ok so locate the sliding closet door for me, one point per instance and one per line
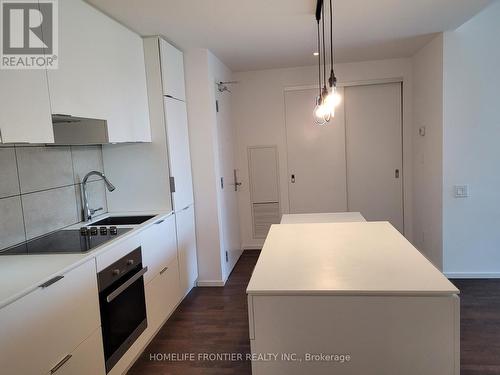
(374, 152)
(316, 156)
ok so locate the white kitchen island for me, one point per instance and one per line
(350, 298)
(329, 217)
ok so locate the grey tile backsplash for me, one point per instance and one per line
(11, 221)
(9, 182)
(40, 189)
(42, 168)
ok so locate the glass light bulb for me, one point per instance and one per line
(319, 114)
(337, 98)
(332, 100)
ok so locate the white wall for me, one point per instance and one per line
(202, 70)
(471, 230)
(259, 114)
(428, 150)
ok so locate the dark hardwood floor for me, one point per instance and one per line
(214, 320)
(480, 326)
(208, 320)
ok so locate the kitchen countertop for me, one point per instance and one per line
(21, 274)
(331, 217)
(358, 258)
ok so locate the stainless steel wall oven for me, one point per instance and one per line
(122, 304)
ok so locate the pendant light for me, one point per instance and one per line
(328, 98)
(333, 99)
(324, 92)
(319, 109)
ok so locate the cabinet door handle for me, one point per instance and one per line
(159, 221)
(51, 281)
(163, 270)
(61, 363)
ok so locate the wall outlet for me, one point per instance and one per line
(461, 191)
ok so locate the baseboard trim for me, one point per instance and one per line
(252, 247)
(218, 283)
(472, 275)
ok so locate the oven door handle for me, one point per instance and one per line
(125, 285)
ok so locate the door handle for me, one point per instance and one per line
(236, 183)
(60, 364)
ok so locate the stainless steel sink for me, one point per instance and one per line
(122, 220)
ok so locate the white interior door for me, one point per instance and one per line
(316, 156)
(228, 195)
(374, 152)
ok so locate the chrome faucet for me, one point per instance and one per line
(88, 212)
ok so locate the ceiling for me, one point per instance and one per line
(262, 34)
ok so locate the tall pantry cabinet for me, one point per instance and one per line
(165, 64)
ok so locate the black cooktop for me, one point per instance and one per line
(67, 241)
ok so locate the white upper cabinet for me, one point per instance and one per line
(101, 73)
(172, 71)
(25, 109)
(178, 149)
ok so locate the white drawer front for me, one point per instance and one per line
(39, 329)
(86, 359)
(162, 295)
(159, 246)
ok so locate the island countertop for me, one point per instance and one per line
(330, 217)
(357, 258)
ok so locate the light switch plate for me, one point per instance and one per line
(461, 191)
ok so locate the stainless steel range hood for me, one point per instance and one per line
(71, 130)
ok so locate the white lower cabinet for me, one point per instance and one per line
(162, 295)
(39, 330)
(186, 244)
(159, 246)
(86, 359)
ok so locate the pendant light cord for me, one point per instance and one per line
(333, 79)
(324, 47)
(331, 35)
(319, 61)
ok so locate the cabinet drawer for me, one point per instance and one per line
(39, 329)
(86, 359)
(159, 246)
(162, 295)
